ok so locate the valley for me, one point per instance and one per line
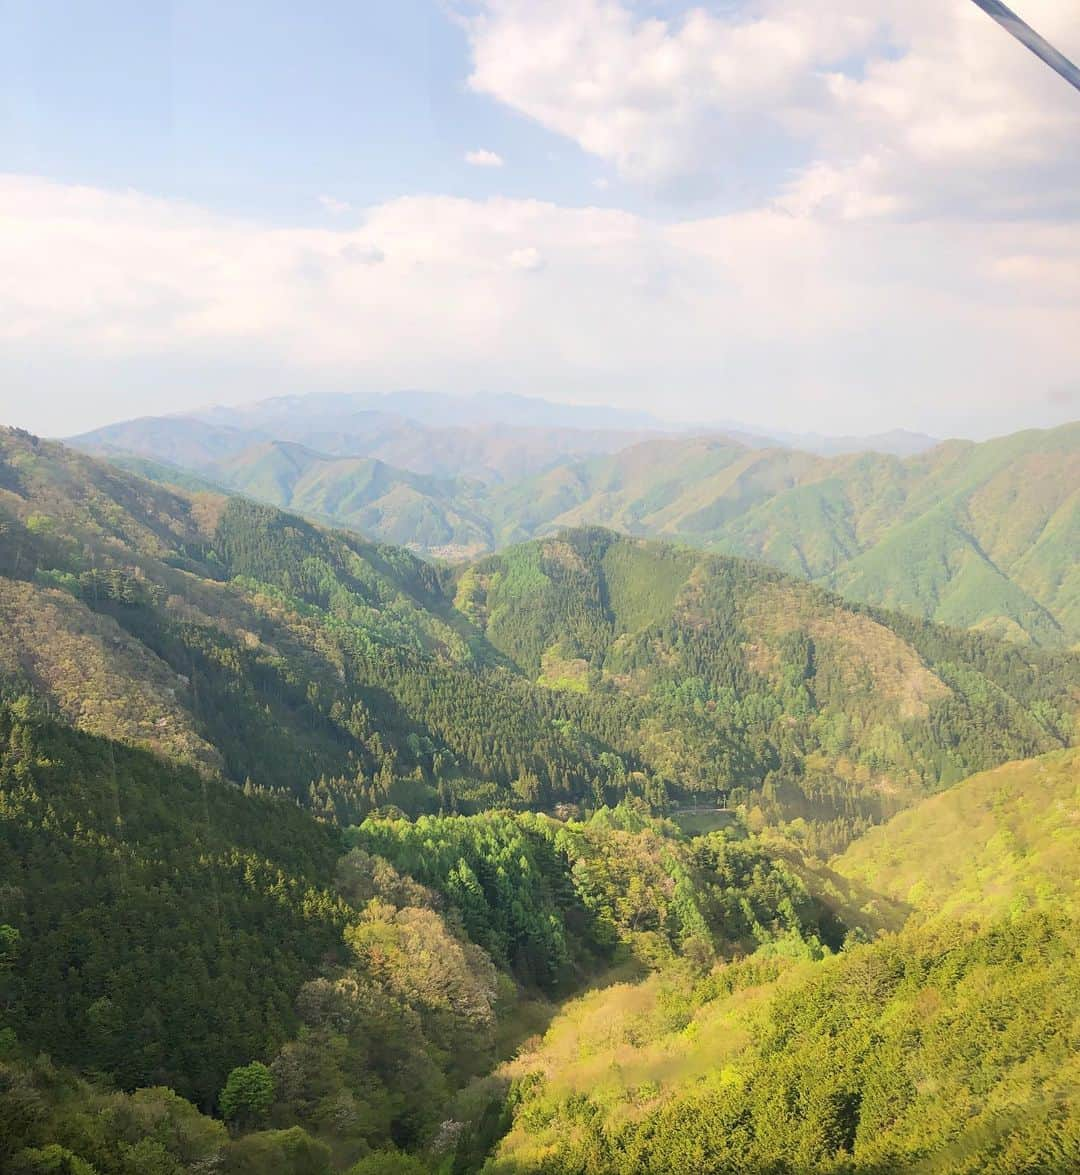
(319, 857)
(972, 535)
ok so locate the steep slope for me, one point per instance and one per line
(251, 643)
(432, 514)
(970, 520)
(999, 842)
(236, 636)
(946, 1047)
(934, 567)
(145, 895)
(973, 535)
(942, 1049)
(750, 683)
(159, 927)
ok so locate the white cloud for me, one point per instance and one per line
(648, 95)
(802, 320)
(902, 105)
(529, 259)
(363, 254)
(334, 206)
(851, 192)
(483, 158)
(962, 118)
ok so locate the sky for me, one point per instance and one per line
(839, 217)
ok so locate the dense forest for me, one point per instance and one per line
(946, 1047)
(317, 858)
(324, 995)
(975, 535)
(242, 988)
(916, 1053)
(295, 660)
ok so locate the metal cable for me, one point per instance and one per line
(1026, 35)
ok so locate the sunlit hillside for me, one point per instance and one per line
(912, 1053)
(999, 843)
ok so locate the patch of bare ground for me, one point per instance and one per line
(856, 646)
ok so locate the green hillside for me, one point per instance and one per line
(426, 513)
(438, 516)
(915, 1053)
(380, 866)
(374, 985)
(305, 661)
(330, 996)
(580, 669)
(1002, 841)
(975, 535)
(933, 567)
(731, 668)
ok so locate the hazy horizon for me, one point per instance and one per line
(673, 424)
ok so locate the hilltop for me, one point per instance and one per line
(974, 535)
(581, 668)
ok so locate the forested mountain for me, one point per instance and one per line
(578, 669)
(981, 536)
(918, 1052)
(331, 997)
(302, 838)
(731, 668)
(426, 513)
(974, 535)
(747, 1028)
(435, 515)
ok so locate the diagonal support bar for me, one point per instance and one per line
(1026, 35)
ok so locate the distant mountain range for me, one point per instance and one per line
(248, 642)
(338, 423)
(433, 410)
(487, 452)
(975, 535)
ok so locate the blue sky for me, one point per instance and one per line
(262, 107)
(840, 218)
